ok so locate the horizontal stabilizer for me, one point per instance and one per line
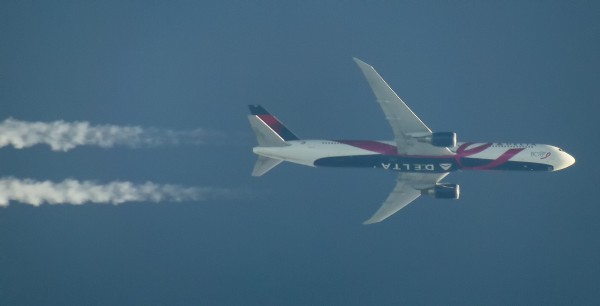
(264, 164)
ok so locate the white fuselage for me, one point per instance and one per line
(383, 154)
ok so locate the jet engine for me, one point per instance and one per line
(443, 139)
(443, 191)
(440, 139)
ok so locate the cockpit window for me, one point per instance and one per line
(560, 149)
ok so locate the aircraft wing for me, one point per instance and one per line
(405, 124)
(408, 188)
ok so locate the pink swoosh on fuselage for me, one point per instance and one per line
(498, 161)
(462, 151)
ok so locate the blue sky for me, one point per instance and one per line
(491, 71)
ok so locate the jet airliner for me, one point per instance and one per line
(421, 158)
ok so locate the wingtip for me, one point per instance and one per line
(362, 64)
(358, 60)
(370, 221)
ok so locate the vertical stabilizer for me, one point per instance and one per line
(272, 123)
(269, 132)
(265, 136)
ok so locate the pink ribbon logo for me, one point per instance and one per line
(462, 152)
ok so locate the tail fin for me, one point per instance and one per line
(263, 118)
(269, 132)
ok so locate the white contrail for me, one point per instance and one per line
(76, 192)
(63, 136)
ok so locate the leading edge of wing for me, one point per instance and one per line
(408, 188)
(403, 120)
(404, 123)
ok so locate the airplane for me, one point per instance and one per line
(421, 158)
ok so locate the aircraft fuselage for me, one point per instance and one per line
(383, 155)
(421, 157)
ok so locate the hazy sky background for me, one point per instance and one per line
(519, 71)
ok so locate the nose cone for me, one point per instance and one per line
(564, 160)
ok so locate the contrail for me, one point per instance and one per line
(63, 136)
(76, 192)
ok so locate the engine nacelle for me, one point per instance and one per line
(443, 139)
(443, 191)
